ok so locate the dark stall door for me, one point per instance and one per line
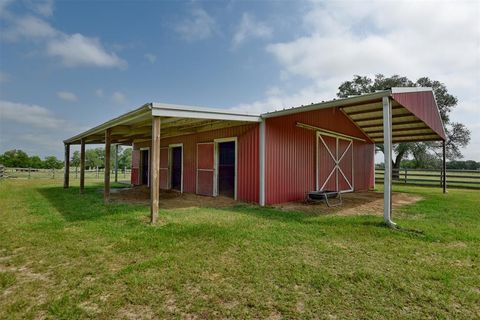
(176, 182)
(226, 169)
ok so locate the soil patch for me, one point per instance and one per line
(170, 199)
(355, 203)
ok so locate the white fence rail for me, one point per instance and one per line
(32, 173)
(430, 177)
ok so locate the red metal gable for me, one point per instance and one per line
(423, 105)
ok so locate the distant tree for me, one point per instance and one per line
(463, 165)
(125, 158)
(35, 162)
(15, 158)
(94, 157)
(51, 162)
(458, 135)
(75, 160)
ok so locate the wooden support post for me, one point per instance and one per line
(106, 189)
(66, 175)
(444, 168)
(155, 169)
(116, 163)
(82, 166)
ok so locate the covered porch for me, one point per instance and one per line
(151, 122)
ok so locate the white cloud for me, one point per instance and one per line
(119, 97)
(72, 49)
(32, 128)
(40, 7)
(78, 50)
(31, 115)
(249, 28)
(4, 77)
(199, 26)
(67, 96)
(99, 93)
(440, 40)
(29, 27)
(347, 38)
(150, 57)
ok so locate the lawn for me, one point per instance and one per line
(68, 256)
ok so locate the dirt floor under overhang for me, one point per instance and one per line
(354, 203)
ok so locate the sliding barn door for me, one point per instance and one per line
(334, 163)
(205, 168)
(135, 175)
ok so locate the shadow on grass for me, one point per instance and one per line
(74, 206)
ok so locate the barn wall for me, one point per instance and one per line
(290, 154)
(247, 162)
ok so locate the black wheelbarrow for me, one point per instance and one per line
(324, 196)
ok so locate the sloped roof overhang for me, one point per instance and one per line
(415, 114)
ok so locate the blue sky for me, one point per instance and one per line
(69, 65)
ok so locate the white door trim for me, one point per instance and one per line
(215, 165)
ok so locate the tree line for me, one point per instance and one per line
(94, 158)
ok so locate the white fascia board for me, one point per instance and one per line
(410, 89)
(169, 110)
(330, 104)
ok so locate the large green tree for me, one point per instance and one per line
(458, 135)
(15, 159)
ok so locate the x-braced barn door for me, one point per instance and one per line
(334, 163)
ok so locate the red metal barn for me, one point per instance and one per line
(269, 158)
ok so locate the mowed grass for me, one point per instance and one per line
(65, 255)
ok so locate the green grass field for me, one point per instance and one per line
(68, 256)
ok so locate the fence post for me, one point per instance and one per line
(53, 173)
(76, 170)
(124, 172)
(406, 175)
(29, 173)
(97, 172)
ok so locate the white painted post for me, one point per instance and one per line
(387, 145)
(261, 151)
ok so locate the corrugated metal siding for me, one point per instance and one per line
(290, 153)
(363, 164)
(248, 161)
(422, 105)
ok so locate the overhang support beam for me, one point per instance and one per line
(66, 174)
(82, 166)
(108, 146)
(387, 145)
(155, 169)
(444, 167)
(261, 146)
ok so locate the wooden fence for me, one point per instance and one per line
(426, 177)
(31, 173)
